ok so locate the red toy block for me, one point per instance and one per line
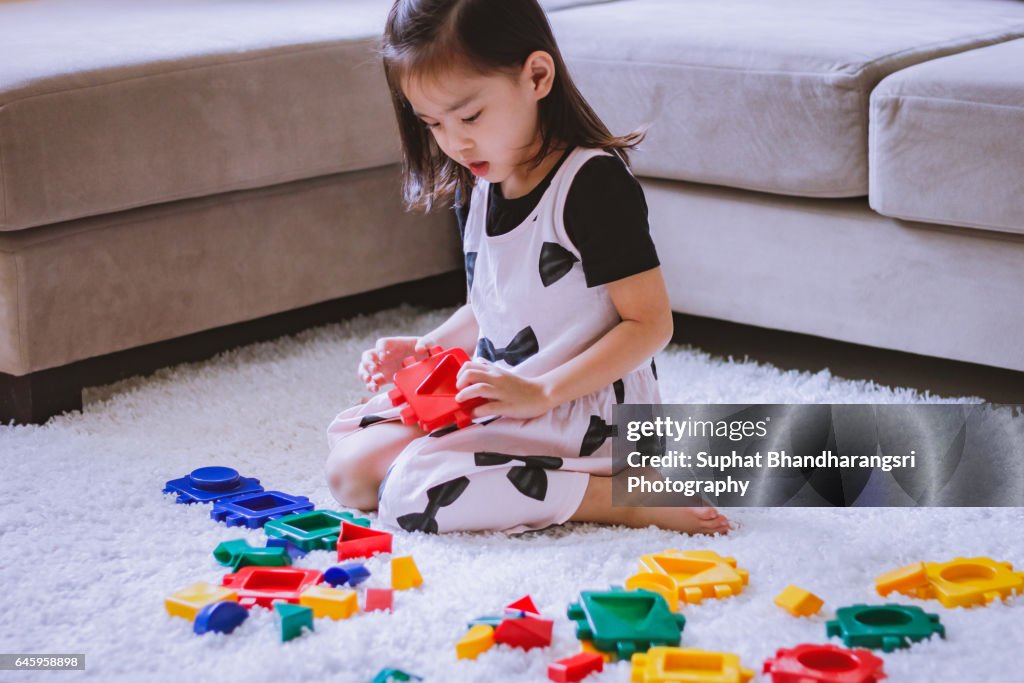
(824, 664)
(575, 668)
(359, 541)
(262, 585)
(523, 604)
(524, 632)
(428, 387)
(378, 599)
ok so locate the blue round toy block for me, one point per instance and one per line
(220, 617)
(336, 576)
(214, 478)
(357, 573)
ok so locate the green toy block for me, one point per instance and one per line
(388, 675)
(238, 553)
(313, 530)
(625, 622)
(293, 618)
(883, 627)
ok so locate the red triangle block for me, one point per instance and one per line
(523, 604)
(358, 541)
(527, 632)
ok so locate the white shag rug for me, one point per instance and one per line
(91, 547)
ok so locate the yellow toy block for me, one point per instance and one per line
(187, 602)
(662, 584)
(588, 646)
(962, 582)
(698, 574)
(687, 665)
(478, 639)
(404, 573)
(798, 602)
(334, 603)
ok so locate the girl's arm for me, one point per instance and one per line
(459, 331)
(645, 329)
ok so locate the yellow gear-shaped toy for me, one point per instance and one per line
(698, 574)
(687, 665)
(962, 582)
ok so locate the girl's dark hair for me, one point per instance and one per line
(427, 37)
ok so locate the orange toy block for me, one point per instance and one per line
(404, 573)
(698, 574)
(798, 602)
(479, 639)
(330, 602)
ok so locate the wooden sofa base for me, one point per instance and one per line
(36, 397)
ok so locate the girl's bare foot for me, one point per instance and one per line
(597, 507)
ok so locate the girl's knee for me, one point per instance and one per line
(351, 485)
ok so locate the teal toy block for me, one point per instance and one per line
(494, 621)
(293, 618)
(238, 553)
(313, 530)
(389, 675)
(626, 622)
(883, 627)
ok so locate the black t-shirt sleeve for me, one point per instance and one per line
(606, 219)
(461, 206)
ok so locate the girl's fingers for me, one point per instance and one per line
(479, 390)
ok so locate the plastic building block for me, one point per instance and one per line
(588, 647)
(262, 585)
(208, 484)
(330, 602)
(625, 622)
(526, 632)
(238, 553)
(698, 574)
(824, 664)
(219, 617)
(256, 509)
(389, 675)
(478, 639)
(404, 573)
(798, 602)
(358, 541)
(884, 627)
(662, 584)
(378, 600)
(428, 387)
(313, 530)
(292, 619)
(352, 574)
(494, 621)
(523, 604)
(294, 551)
(187, 602)
(962, 582)
(688, 665)
(575, 668)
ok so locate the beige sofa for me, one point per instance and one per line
(168, 170)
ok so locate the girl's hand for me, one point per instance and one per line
(507, 393)
(379, 364)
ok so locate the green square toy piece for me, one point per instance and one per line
(313, 530)
(293, 619)
(238, 553)
(883, 627)
(625, 622)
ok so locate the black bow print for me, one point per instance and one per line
(530, 479)
(438, 433)
(470, 268)
(438, 496)
(620, 390)
(522, 346)
(370, 419)
(555, 262)
(597, 432)
(654, 369)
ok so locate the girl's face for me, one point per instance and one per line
(487, 123)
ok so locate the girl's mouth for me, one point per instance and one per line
(479, 168)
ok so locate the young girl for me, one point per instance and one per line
(566, 304)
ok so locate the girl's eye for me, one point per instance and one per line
(430, 125)
(472, 118)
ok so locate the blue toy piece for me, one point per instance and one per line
(294, 551)
(256, 509)
(209, 484)
(392, 675)
(220, 617)
(353, 574)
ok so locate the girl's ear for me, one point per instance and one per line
(539, 73)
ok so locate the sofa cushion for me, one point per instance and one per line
(769, 96)
(947, 140)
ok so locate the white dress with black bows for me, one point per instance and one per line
(535, 312)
